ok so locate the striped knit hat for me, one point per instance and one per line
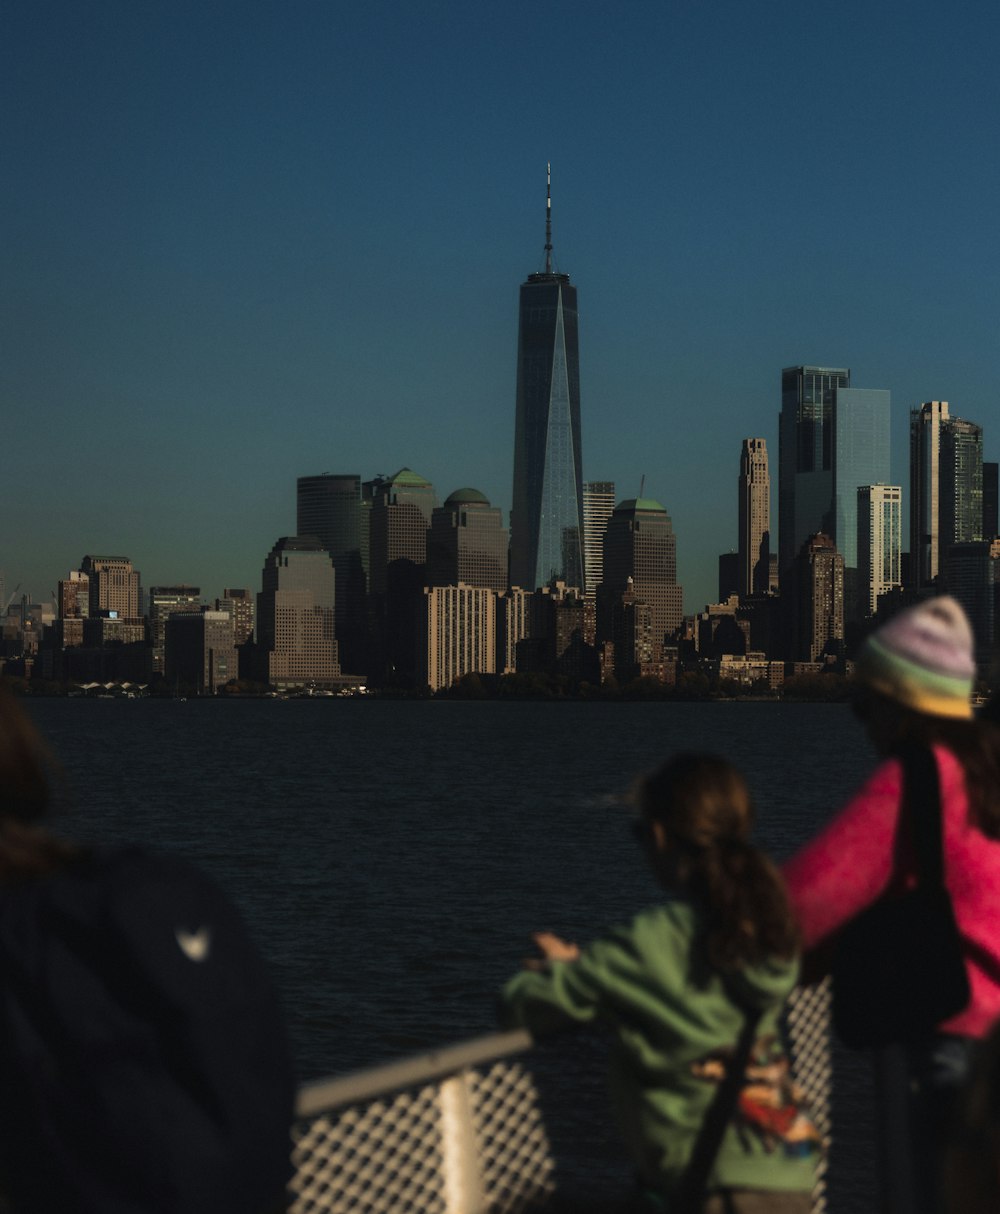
(923, 658)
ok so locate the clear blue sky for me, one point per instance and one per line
(244, 242)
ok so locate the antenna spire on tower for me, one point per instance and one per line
(548, 218)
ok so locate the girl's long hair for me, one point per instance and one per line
(705, 813)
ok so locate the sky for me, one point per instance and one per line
(246, 242)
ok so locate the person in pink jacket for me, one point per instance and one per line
(915, 677)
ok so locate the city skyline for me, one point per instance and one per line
(305, 256)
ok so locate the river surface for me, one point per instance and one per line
(392, 857)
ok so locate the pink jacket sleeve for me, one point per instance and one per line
(849, 863)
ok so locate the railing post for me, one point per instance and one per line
(463, 1189)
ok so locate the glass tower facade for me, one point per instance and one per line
(805, 455)
(860, 457)
(547, 516)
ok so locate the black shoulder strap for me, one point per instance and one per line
(922, 806)
(690, 1194)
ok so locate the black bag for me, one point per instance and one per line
(143, 1059)
(898, 970)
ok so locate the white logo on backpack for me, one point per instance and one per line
(195, 945)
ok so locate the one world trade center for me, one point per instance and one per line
(546, 519)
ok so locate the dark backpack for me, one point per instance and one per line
(143, 1058)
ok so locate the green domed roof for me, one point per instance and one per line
(467, 497)
(640, 503)
(406, 477)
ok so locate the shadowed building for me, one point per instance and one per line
(819, 572)
(200, 655)
(296, 642)
(546, 518)
(163, 602)
(237, 602)
(640, 560)
(329, 507)
(946, 487)
(467, 543)
(400, 515)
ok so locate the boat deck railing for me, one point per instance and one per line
(463, 1130)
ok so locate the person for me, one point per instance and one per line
(675, 986)
(914, 678)
(144, 1067)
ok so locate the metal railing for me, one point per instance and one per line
(461, 1130)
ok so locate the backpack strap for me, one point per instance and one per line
(690, 1193)
(921, 805)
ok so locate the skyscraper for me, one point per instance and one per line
(295, 631)
(598, 507)
(640, 559)
(754, 543)
(819, 570)
(946, 487)
(880, 525)
(925, 488)
(113, 584)
(546, 519)
(164, 601)
(329, 507)
(467, 543)
(805, 456)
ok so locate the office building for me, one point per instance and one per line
(399, 517)
(113, 586)
(467, 543)
(458, 634)
(971, 572)
(162, 602)
(754, 514)
(296, 641)
(640, 559)
(598, 507)
(238, 603)
(805, 455)
(546, 542)
(879, 544)
(74, 596)
(199, 651)
(329, 507)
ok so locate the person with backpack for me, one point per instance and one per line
(692, 990)
(144, 1066)
(914, 679)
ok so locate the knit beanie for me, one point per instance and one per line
(923, 658)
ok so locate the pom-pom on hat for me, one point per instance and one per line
(923, 658)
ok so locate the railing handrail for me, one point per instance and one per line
(336, 1091)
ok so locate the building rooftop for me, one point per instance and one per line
(467, 497)
(647, 504)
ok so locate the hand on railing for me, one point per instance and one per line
(552, 948)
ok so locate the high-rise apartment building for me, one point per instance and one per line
(819, 570)
(879, 544)
(640, 558)
(74, 596)
(961, 482)
(458, 634)
(598, 507)
(925, 490)
(546, 519)
(329, 507)
(946, 487)
(754, 542)
(296, 641)
(467, 543)
(805, 456)
(991, 500)
(113, 585)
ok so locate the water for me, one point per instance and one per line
(393, 857)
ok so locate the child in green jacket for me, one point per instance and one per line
(673, 986)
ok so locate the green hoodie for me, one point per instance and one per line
(672, 1019)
